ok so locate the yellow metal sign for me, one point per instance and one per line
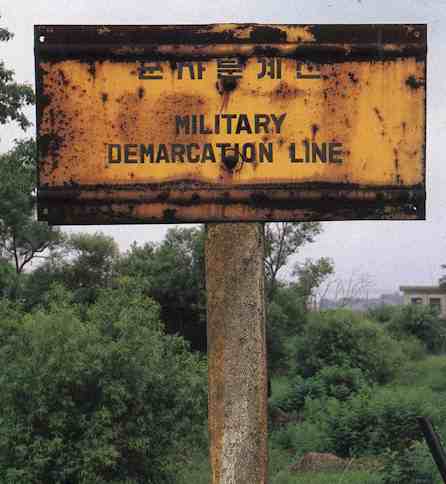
(230, 122)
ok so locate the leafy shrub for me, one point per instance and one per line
(286, 317)
(372, 421)
(411, 466)
(110, 399)
(345, 339)
(330, 382)
(382, 313)
(301, 438)
(412, 348)
(423, 322)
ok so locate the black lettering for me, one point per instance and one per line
(261, 121)
(203, 128)
(300, 74)
(223, 147)
(194, 124)
(191, 159)
(182, 122)
(201, 69)
(278, 121)
(307, 151)
(189, 66)
(163, 154)
(114, 149)
(129, 151)
(293, 158)
(249, 153)
(145, 150)
(335, 152)
(208, 153)
(266, 151)
(318, 152)
(243, 124)
(178, 151)
(229, 118)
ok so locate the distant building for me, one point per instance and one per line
(429, 295)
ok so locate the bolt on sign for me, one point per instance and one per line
(230, 123)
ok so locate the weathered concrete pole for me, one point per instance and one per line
(236, 353)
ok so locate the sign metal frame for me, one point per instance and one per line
(68, 194)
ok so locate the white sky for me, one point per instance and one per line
(393, 253)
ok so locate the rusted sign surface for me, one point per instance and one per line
(230, 123)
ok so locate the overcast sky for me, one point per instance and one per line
(393, 253)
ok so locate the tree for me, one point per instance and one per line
(22, 238)
(89, 262)
(14, 97)
(84, 264)
(172, 273)
(107, 400)
(311, 275)
(281, 241)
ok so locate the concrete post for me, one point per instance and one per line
(236, 353)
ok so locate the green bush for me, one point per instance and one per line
(373, 420)
(345, 339)
(410, 466)
(423, 322)
(301, 438)
(110, 399)
(332, 381)
(382, 313)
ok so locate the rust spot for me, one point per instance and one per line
(378, 114)
(92, 69)
(104, 97)
(141, 92)
(353, 78)
(285, 91)
(413, 83)
(265, 34)
(63, 81)
(396, 159)
(169, 214)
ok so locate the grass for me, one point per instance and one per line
(348, 477)
(429, 372)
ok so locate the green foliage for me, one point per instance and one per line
(411, 466)
(285, 318)
(22, 238)
(281, 241)
(173, 274)
(90, 264)
(420, 321)
(383, 313)
(330, 382)
(14, 97)
(345, 339)
(311, 275)
(109, 399)
(426, 373)
(372, 421)
(301, 438)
